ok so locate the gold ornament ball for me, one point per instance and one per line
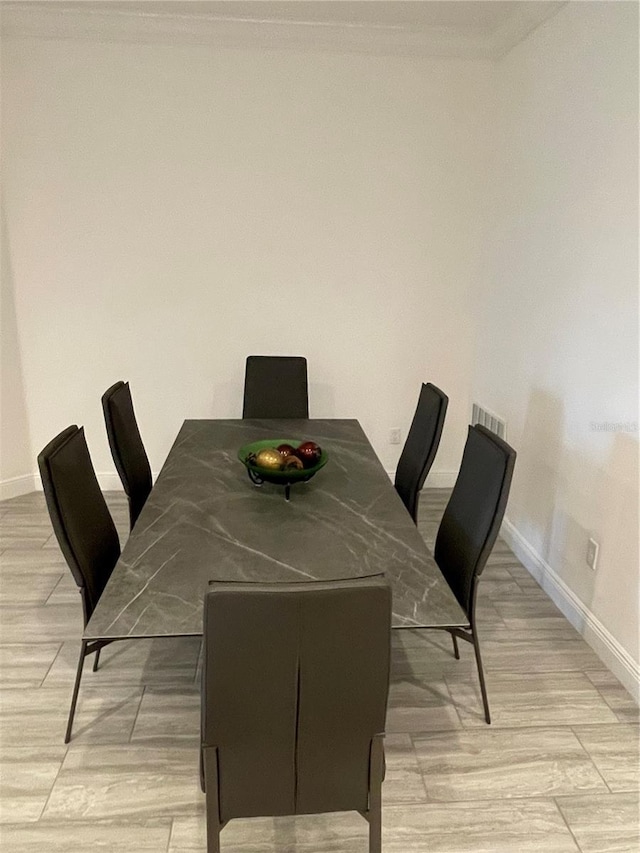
(269, 458)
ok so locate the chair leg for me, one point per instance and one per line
(456, 651)
(210, 758)
(95, 660)
(483, 689)
(76, 688)
(213, 836)
(375, 795)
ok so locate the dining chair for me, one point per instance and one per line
(294, 695)
(469, 528)
(421, 446)
(275, 386)
(127, 449)
(83, 527)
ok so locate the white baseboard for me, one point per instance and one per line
(17, 486)
(14, 487)
(436, 479)
(109, 481)
(441, 480)
(613, 655)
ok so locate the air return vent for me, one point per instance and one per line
(488, 420)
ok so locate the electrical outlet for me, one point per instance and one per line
(592, 554)
(395, 435)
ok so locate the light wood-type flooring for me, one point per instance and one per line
(556, 772)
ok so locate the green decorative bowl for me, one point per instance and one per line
(260, 475)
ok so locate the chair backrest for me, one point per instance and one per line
(295, 685)
(126, 445)
(275, 386)
(81, 520)
(474, 513)
(421, 446)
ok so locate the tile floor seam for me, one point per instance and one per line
(199, 657)
(591, 759)
(422, 779)
(608, 703)
(58, 582)
(44, 544)
(135, 719)
(566, 822)
(504, 800)
(55, 658)
(493, 727)
(46, 802)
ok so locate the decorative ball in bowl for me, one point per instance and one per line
(282, 460)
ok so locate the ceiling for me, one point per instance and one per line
(466, 28)
(481, 15)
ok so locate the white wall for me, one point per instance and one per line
(172, 209)
(16, 456)
(559, 346)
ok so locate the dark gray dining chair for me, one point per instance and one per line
(127, 449)
(294, 696)
(275, 386)
(421, 446)
(470, 526)
(83, 527)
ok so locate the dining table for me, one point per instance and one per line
(205, 520)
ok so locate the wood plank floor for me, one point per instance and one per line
(557, 771)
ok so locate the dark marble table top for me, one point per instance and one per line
(204, 520)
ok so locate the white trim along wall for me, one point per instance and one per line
(610, 651)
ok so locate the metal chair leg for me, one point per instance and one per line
(95, 660)
(483, 689)
(214, 824)
(456, 651)
(76, 688)
(376, 773)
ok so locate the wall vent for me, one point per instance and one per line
(488, 420)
